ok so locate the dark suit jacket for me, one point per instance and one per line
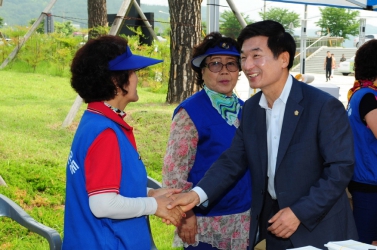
(314, 165)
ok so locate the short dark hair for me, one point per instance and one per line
(278, 41)
(91, 77)
(211, 40)
(365, 61)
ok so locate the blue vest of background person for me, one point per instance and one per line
(79, 220)
(212, 143)
(366, 148)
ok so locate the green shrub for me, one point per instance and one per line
(52, 54)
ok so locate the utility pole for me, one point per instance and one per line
(213, 13)
(264, 10)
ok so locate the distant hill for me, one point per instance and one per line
(20, 12)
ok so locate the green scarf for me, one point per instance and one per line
(227, 106)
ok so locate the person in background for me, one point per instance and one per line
(107, 198)
(362, 113)
(333, 65)
(203, 127)
(342, 59)
(327, 65)
(298, 145)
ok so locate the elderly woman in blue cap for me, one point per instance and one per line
(203, 127)
(106, 190)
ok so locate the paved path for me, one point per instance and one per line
(344, 83)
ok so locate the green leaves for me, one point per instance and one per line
(284, 16)
(338, 22)
(229, 25)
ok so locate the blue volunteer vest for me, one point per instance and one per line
(82, 230)
(365, 170)
(215, 136)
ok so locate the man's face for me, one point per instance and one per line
(259, 65)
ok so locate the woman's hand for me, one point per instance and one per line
(188, 228)
(163, 191)
(170, 216)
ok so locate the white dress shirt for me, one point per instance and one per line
(274, 123)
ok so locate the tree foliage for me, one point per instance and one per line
(338, 22)
(65, 28)
(1, 22)
(40, 29)
(284, 16)
(229, 24)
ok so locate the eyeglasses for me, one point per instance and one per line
(216, 67)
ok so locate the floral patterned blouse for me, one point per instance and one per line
(222, 232)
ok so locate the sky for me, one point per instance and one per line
(253, 7)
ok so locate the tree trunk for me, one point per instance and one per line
(97, 16)
(185, 23)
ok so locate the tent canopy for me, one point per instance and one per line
(349, 4)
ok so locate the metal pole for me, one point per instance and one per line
(212, 15)
(264, 10)
(303, 47)
(145, 20)
(119, 19)
(306, 12)
(362, 32)
(237, 13)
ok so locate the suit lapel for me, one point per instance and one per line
(293, 112)
(261, 145)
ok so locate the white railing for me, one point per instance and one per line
(321, 39)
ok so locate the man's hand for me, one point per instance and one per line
(185, 200)
(188, 229)
(173, 216)
(163, 191)
(284, 223)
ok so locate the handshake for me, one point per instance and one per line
(172, 205)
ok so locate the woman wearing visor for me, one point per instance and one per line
(202, 128)
(106, 191)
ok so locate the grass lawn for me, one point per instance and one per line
(34, 149)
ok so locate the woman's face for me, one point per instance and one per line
(132, 95)
(223, 81)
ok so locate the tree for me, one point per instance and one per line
(40, 29)
(97, 16)
(65, 28)
(185, 23)
(1, 22)
(204, 28)
(338, 22)
(283, 16)
(230, 26)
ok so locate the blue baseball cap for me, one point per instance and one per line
(222, 49)
(128, 61)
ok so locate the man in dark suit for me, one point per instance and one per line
(297, 143)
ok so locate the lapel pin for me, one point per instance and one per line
(296, 112)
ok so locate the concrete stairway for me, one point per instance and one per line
(314, 63)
